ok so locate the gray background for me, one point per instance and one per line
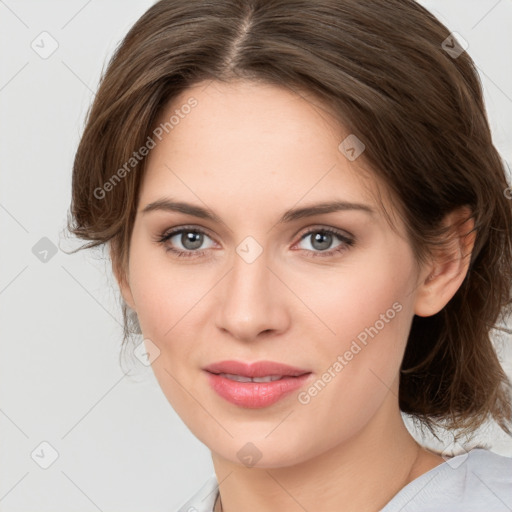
(120, 445)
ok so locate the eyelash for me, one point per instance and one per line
(167, 235)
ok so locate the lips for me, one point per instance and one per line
(259, 369)
(255, 385)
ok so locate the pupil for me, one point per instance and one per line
(322, 241)
(191, 240)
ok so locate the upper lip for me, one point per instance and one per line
(256, 369)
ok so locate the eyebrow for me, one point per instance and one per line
(165, 204)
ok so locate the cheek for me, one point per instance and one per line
(168, 304)
(360, 362)
(163, 290)
(359, 300)
(364, 318)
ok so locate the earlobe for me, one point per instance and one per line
(122, 280)
(444, 276)
(124, 287)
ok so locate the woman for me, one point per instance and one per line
(310, 227)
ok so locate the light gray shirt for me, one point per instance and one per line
(477, 481)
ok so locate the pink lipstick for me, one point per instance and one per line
(255, 385)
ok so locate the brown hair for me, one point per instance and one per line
(379, 66)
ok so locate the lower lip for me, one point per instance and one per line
(255, 395)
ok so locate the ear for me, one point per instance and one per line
(440, 280)
(122, 278)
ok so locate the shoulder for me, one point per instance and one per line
(473, 481)
(486, 473)
(204, 499)
(485, 459)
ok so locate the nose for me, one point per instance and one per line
(252, 301)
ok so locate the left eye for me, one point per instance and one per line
(321, 240)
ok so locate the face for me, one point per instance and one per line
(329, 292)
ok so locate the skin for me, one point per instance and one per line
(233, 155)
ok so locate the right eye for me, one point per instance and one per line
(190, 240)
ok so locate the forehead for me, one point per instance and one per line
(252, 141)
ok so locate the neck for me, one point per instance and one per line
(363, 472)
